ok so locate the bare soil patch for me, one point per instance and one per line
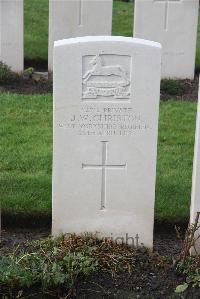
(180, 90)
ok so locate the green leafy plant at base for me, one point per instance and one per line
(190, 268)
(55, 266)
(181, 288)
(173, 87)
(6, 74)
(48, 264)
(189, 265)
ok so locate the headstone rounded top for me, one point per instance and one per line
(106, 105)
(86, 39)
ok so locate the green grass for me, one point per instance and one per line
(175, 157)
(36, 28)
(122, 19)
(26, 153)
(26, 156)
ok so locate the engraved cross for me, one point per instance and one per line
(80, 12)
(166, 2)
(103, 167)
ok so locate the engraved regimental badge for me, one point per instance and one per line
(106, 77)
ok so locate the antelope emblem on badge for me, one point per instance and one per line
(105, 80)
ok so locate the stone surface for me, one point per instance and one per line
(73, 18)
(195, 197)
(173, 23)
(106, 103)
(12, 34)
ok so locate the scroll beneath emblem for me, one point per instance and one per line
(106, 77)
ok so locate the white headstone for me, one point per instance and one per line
(195, 198)
(73, 18)
(106, 103)
(173, 23)
(12, 34)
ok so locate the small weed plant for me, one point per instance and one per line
(48, 264)
(189, 259)
(6, 75)
(173, 87)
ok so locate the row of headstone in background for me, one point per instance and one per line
(67, 18)
(12, 34)
(77, 18)
(105, 137)
(173, 23)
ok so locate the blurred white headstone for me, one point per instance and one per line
(12, 34)
(73, 18)
(173, 23)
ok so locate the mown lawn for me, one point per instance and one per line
(36, 28)
(26, 153)
(26, 156)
